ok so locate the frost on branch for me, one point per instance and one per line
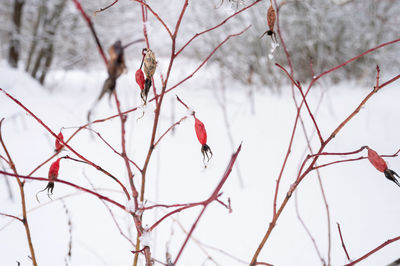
(145, 238)
(130, 206)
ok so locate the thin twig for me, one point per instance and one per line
(100, 196)
(341, 240)
(12, 216)
(105, 8)
(307, 230)
(93, 31)
(22, 195)
(373, 251)
(216, 26)
(213, 197)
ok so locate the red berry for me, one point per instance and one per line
(376, 160)
(59, 145)
(139, 76)
(200, 131)
(53, 171)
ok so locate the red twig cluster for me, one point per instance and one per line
(312, 159)
(137, 195)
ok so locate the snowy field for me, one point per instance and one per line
(360, 198)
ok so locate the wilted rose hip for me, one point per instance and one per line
(149, 67)
(381, 166)
(58, 144)
(376, 160)
(52, 175)
(139, 76)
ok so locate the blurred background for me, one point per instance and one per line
(40, 35)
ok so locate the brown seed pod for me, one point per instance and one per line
(116, 65)
(150, 64)
(271, 17)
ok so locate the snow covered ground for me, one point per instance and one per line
(360, 198)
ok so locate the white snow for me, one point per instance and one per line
(274, 45)
(145, 238)
(360, 198)
(130, 206)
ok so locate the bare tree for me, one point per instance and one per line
(14, 48)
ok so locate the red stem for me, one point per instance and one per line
(216, 26)
(143, 3)
(356, 57)
(213, 197)
(90, 24)
(207, 58)
(105, 8)
(297, 84)
(12, 216)
(169, 129)
(341, 240)
(184, 104)
(63, 142)
(374, 250)
(301, 175)
(69, 184)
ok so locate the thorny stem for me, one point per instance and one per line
(312, 165)
(24, 219)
